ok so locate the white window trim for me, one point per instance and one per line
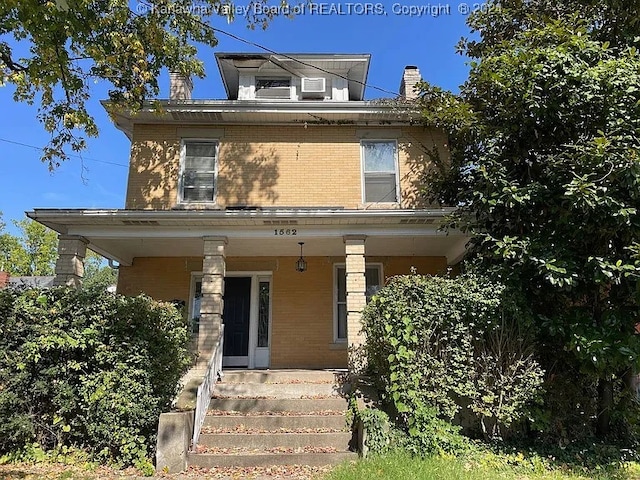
(183, 154)
(336, 266)
(292, 91)
(397, 200)
(195, 277)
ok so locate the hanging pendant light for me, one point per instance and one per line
(301, 264)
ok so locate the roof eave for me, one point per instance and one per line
(344, 112)
(57, 218)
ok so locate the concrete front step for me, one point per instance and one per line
(285, 376)
(210, 460)
(256, 406)
(338, 441)
(275, 422)
(277, 390)
(302, 405)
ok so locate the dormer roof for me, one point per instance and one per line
(353, 67)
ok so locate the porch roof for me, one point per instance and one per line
(122, 235)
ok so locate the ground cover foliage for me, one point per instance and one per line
(480, 464)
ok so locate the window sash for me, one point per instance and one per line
(262, 83)
(379, 171)
(198, 176)
(195, 305)
(273, 88)
(380, 187)
(379, 156)
(373, 274)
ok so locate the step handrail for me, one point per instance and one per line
(206, 388)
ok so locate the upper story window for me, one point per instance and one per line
(198, 176)
(380, 171)
(273, 87)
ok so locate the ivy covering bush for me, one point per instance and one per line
(450, 348)
(87, 369)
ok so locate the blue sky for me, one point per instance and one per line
(395, 34)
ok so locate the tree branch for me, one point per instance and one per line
(8, 61)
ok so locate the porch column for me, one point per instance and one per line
(70, 264)
(213, 270)
(356, 287)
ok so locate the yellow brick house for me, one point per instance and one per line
(276, 211)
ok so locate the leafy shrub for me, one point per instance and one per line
(570, 404)
(87, 369)
(443, 348)
(374, 422)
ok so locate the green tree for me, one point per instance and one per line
(33, 252)
(52, 51)
(38, 249)
(545, 167)
(96, 273)
(8, 244)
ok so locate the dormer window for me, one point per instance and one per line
(273, 87)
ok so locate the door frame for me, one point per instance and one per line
(256, 278)
(259, 357)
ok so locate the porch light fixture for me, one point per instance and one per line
(301, 264)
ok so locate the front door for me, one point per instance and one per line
(236, 317)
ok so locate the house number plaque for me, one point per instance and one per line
(283, 232)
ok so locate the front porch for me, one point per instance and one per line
(239, 267)
(298, 317)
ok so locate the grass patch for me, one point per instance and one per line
(477, 466)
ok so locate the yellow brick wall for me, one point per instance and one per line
(302, 316)
(302, 303)
(154, 167)
(163, 278)
(275, 165)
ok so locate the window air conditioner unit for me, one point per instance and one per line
(313, 85)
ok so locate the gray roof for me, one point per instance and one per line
(44, 281)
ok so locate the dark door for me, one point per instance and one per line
(237, 301)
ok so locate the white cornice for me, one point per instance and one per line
(268, 112)
(123, 235)
(62, 220)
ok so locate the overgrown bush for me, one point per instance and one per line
(87, 369)
(445, 348)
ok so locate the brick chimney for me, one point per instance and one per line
(4, 279)
(410, 78)
(180, 86)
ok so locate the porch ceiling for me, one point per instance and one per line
(122, 235)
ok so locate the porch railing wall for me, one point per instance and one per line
(206, 388)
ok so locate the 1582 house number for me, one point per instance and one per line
(280, 232)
